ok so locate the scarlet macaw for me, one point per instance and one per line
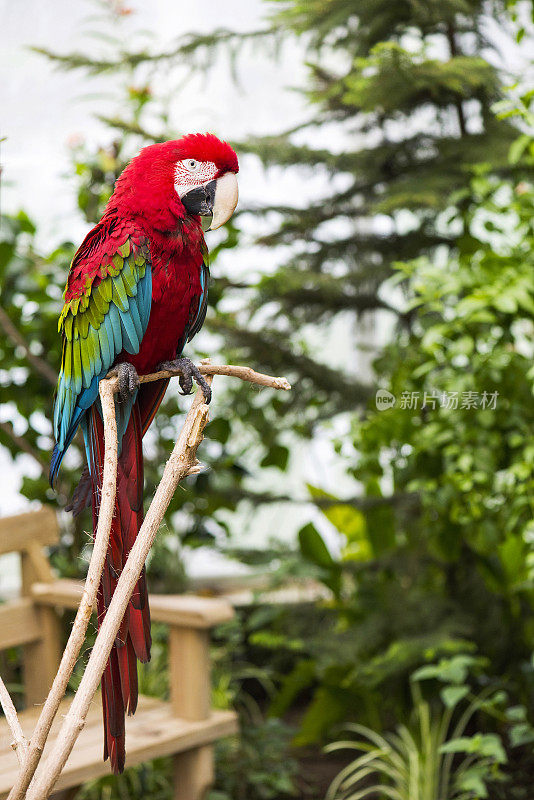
(136, 293)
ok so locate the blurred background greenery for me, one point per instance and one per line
(410, 273)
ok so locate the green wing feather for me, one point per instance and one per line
(110, 315)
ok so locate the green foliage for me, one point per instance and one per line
(30, 350)
(470, 464)
(252, 766)
(453, 560)
(314, 549)
(146, 780)
(256, 764)
(435, 757)
(417, 762)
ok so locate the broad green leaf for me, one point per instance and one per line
(451, 695)
(313, 547)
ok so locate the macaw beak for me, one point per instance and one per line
(225, 200)
(217, 198)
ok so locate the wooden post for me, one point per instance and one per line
(41, 658)
(189, 665)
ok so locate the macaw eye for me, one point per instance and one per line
(191, 164)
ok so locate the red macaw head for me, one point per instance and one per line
(194, 175)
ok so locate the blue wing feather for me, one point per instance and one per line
(136, 318)
(145, 297)
(122, 327)
(115, 322)
(130, 340)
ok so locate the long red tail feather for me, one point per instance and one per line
(132, 644)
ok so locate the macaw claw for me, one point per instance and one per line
(128, 380)
(189, 371)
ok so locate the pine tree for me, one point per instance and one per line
(413, 104)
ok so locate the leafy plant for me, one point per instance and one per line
(256, 765)
(153, 779)
(418, 762)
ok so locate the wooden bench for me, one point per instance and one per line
(184, 728)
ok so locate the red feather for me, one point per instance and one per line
(132, 644)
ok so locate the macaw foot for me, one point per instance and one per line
(128, 380)
(189, 371)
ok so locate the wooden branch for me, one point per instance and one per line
(83, 615)
(244, 373)
(18, 340)
(23, 444)
(361, 502)
(181, 463)
(19, 743)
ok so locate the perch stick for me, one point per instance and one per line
(39, 786)
(244, 373)
(83, 615)
(19, 743)
(180, 463)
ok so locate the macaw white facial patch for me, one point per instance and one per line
(191, 173)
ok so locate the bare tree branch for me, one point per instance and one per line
(185, 48)
(244, 373)
(361, 502)
(17, 339)
(19, 743)
(23, 444)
